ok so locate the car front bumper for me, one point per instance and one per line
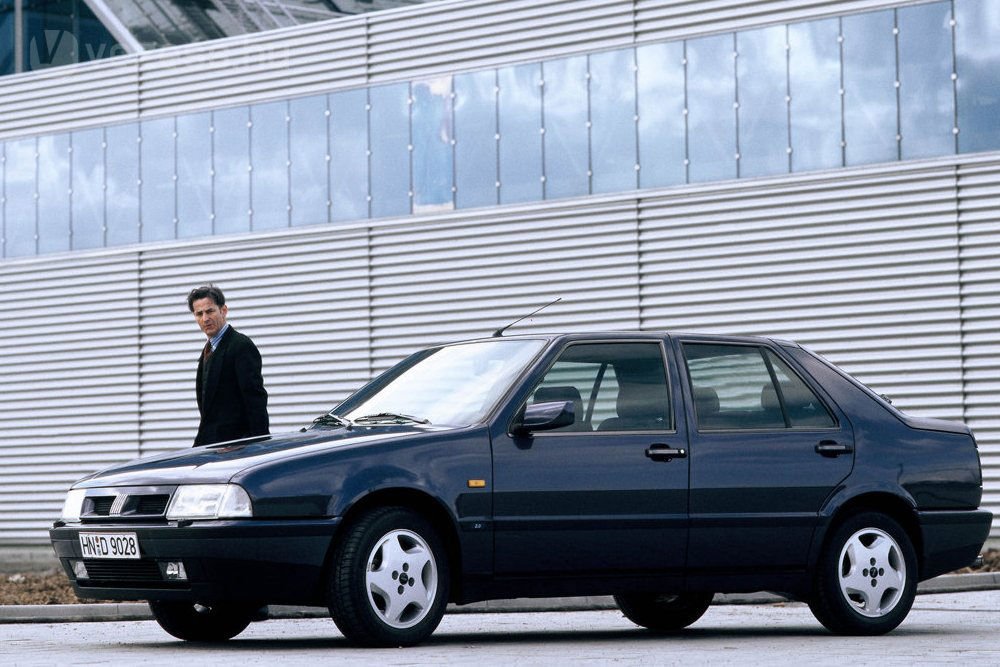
(951, 540)
(266, 562)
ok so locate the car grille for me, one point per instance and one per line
(126, 574)
(126, 503)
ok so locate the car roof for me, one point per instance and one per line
(634, 335)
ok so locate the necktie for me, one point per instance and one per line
(207, 351)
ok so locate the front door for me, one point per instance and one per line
(608, 493)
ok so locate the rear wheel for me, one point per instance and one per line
(867, 578)
(662, 612)
(202, 623)
(389, 579)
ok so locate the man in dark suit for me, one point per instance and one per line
(230, 388)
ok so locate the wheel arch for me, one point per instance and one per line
(420, 502)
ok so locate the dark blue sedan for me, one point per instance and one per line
(657, 468)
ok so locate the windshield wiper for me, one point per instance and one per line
(391, 417)
(330, 419)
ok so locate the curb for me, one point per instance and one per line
(139, 611)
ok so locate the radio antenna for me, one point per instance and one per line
(499, 332)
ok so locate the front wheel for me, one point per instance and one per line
(662, 612)
(867, 577)
(389, 579)
(201, 623)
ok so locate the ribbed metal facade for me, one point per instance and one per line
(891, 272)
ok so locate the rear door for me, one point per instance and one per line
(602, 495)
(767, 449)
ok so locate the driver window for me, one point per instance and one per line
(613, 387)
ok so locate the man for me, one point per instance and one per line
(230, 388)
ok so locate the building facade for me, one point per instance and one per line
(826, 171)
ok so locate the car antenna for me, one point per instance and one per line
(499, 332)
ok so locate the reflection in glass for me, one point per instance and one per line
(194, 175)
(762, 67)
(19, 189)
(433, 157)
(53, 193)
(390, 142)
(612, 116)
(231, 166)
(349, 155)
(566, 138)
(88, 189)
(121, 162)
(711, 92)
(870, 88)
(269, 160)
(156, 192)
(814, 83)
(308, 150)
(926, 91)
(977, 49)
(475, 139)
(519, 101)
(662, 142)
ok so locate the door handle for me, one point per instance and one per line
(832, 449)
(665, 453)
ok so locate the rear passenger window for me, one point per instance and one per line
(749, 387)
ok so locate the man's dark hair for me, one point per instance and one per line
(210, 291)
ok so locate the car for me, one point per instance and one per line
(656, 468)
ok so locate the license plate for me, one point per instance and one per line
(109, 545)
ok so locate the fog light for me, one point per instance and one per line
(174, 571)
(80, 570)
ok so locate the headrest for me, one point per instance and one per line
(641, 401)
(706, 401)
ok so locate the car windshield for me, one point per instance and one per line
(455, 385)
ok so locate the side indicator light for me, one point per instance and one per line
(477, 483)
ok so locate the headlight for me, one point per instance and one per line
(209, 501)
(73, 506)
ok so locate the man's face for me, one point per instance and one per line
(209, 316)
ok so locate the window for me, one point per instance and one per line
(746, 387)
(613, 387)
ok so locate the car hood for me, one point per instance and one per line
(220, 462)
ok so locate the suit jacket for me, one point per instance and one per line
(232, 401)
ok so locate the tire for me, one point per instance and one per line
(866, 578)
(388, 584)
(202, 623)
(663, 612)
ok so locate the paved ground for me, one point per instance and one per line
(946, 628)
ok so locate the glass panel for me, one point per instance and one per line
(269, 159)
(926, 91)
(6, 39)
(349, 154)
(613, 387)
(519, 101)
(977, 48)
(711, 91)
(662, 125)
(814, 83)
(390, 159)
(53, 193)
(732, 388)
(19, 189)
(475, 139)
(612, 116)
(308, 149)
(156, 193)
(870, 88)
(231, 165)
(88, 189)
(433, 156)
(194, 175)
(801, 406)
(122, 196)
(762, 68)
(565, 120)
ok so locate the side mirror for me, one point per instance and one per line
(544, 417)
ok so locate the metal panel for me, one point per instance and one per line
(69, 399)
(302, 299)
(464, 277)
(979, 220)
(863, 269)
